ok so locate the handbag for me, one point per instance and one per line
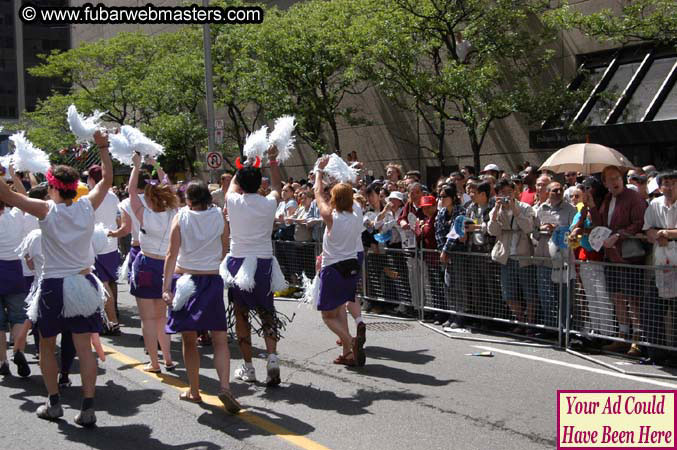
(632, 248)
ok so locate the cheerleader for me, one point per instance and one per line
(155, 217)
(340, 267)
(108, 260)
(70, 298)
(193, 288)
(250, 269)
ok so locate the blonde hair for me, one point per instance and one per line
(160, 197)
(342, 197)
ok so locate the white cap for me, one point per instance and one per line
(399, 196)
(493, 167)
(653, 186)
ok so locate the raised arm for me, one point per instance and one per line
(32, 206)
(170, 260)
(275, 177)
(323, 206)
(162, 176)
(18, 184)
(99, 192)
(134, 200)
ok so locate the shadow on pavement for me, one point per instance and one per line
(400, 375)
(124, 436)
(418, 357)
(317, 398)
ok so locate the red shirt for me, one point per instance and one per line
(528, 196)
(426, 232)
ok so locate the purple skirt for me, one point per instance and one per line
(261, 295)
(51, 322)
(29, 282)
(12, 279)
(204, 310)
(106, 266)
(147, 277)
(335, 289)
(133, 253)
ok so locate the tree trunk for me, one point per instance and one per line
(440, 145)
(334, 130)
(475, 146)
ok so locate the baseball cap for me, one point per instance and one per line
(398, 196)
(489, 167)
(428, 200)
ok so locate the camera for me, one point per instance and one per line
(504, 200)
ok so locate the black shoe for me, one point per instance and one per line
(64, 381)
(4, 369)
(22, 367)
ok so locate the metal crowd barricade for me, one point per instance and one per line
(387, 277)
(646, 294)
(296, 258)
(473, 286)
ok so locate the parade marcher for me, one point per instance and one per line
(198, 243)
(107, 262)
(250, 269)
(340, 267)
(155, 217)
(70, 297)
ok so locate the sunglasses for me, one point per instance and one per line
(558, 190)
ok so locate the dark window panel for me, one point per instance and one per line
(607, 99)
(669, 108)
(646, 90)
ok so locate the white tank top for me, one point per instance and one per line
(11, 232)
(107, 213)
(154, 235)
(339, 244)
(200, 239)
(67, 238)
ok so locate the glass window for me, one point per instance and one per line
(646, 90)
(669, 108)
(608, 98)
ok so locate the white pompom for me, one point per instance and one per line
(244, 279)
(80, 297)
(32, 302)
(28, 157)
(123, 270)
(282, 137)
(5, 162)
(278, 282)
(338, 170)
(83, 127)
(185, 288)
(100, 239)
(256, 144)
(311, 290)
(120, 148)
(130, 140)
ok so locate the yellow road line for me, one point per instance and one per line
(213, 400)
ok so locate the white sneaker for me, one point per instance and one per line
(245, 374)
(273, 368)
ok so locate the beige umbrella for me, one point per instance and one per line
(585, 158)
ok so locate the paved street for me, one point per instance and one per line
(418, 390)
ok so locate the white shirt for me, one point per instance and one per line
(339, 243)
(201, 232)
(251, 224)
(660, 215)
(11, 232)
(126, 206)
(358, 211)
(157, 227)
(107, 213)
(612, 206)
(30, 223)
(67, 238)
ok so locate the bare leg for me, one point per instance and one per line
(83, 347)
(21, 336)
(243, 331)
(269, 331)
(149, 328)
(336, 323)
(621, 310)
(109, 306)
(160, 314)
(3, 345)
(221, 358)
(48, 364)
(191, 358)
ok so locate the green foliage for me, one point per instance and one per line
(638, 20)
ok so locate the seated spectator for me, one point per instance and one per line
(622, 211)
(511, 222)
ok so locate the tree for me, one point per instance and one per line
(305, 66)
(638, 20)
(152, 82)
(472, 62)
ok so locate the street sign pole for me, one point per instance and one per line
(209, 86)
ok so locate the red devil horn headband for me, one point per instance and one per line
(240, 166)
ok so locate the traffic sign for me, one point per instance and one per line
(214, 160)
(218, 136)
(218, 124)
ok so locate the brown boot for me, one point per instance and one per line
(634, 350)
